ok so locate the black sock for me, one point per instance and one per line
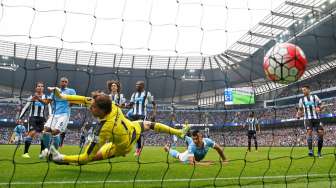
(62, 135)
(27, 145)
(310, 142)
(42, 146)
(256, 144)
(319, 144)
(249, 144)
(138, 144)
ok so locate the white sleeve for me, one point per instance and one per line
(25, 108)
(300, 103)
(318, 100)
(150, 98)
(132, 98)
(122, 99)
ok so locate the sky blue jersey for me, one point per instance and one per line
(61, 106)
(199, 152)
(19, 130)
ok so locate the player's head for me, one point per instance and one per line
(197, 137)
(140, 85)
(113, 86)
(251, 114)
(305, 90)
(39, 87)
(101, 106)
(19, 121)
(64, 82)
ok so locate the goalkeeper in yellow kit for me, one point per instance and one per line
(115, 136)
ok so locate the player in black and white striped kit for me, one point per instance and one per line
(309, 109)
(139, 104)
(252, 125)
(36, 116)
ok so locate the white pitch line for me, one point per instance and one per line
(167, 180)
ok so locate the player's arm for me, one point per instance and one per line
(220, 153)
(319, 106)
(299, 112)
(44, 101)
(25, 108)
(74, 99)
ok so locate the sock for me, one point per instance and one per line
(56, 141)
(249, 144)
(256, 144)
(319, 143)
(62, 138)
(28, 141)
(162, 128)
(42, 145)
(46, 137)
(139, 144)
(174, 153)
(310, 143)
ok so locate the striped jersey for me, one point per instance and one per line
(118, 99)
(252, 124)
(309, 104)
(36, 108)
(140, 102)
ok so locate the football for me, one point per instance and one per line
(284, 63)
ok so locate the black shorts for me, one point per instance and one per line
(251, 134)
(313, 124)
(36, 124)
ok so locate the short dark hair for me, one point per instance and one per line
(195, 132)
(109, 84)
(104, 103)
(306, 86)
(39, 82)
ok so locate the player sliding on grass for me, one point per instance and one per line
(198, 147)
(115, 135)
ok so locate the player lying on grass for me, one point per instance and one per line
(198, 147)
(115, 135)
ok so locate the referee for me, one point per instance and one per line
(252, 124)
(309, 109)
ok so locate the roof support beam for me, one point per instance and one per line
(294, 4)
(238, 53)
(293, 17)
(261, 35)
(273, 26)
(249, 44)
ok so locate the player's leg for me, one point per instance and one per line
(320, 133)
(28, 140)
(174, 153)
(255, 141)
(46, 135)
(88, 155)
(249, 137)
(59, 127)
(308, 125)
(162, 128)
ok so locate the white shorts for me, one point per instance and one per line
(57, 122)
(18, 138)
(184, 157)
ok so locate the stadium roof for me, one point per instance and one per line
(191, 34)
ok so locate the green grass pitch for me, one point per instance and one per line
(270, 167)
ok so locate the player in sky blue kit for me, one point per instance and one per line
(198, 148)
(19, 132)
(58, 121)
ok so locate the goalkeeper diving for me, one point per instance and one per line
(115, 135)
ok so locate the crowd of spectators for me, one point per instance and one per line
(234, 136)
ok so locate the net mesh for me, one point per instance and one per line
(188, 53)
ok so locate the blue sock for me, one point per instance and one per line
(174, 153)
(57, 141)
(46, 137)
